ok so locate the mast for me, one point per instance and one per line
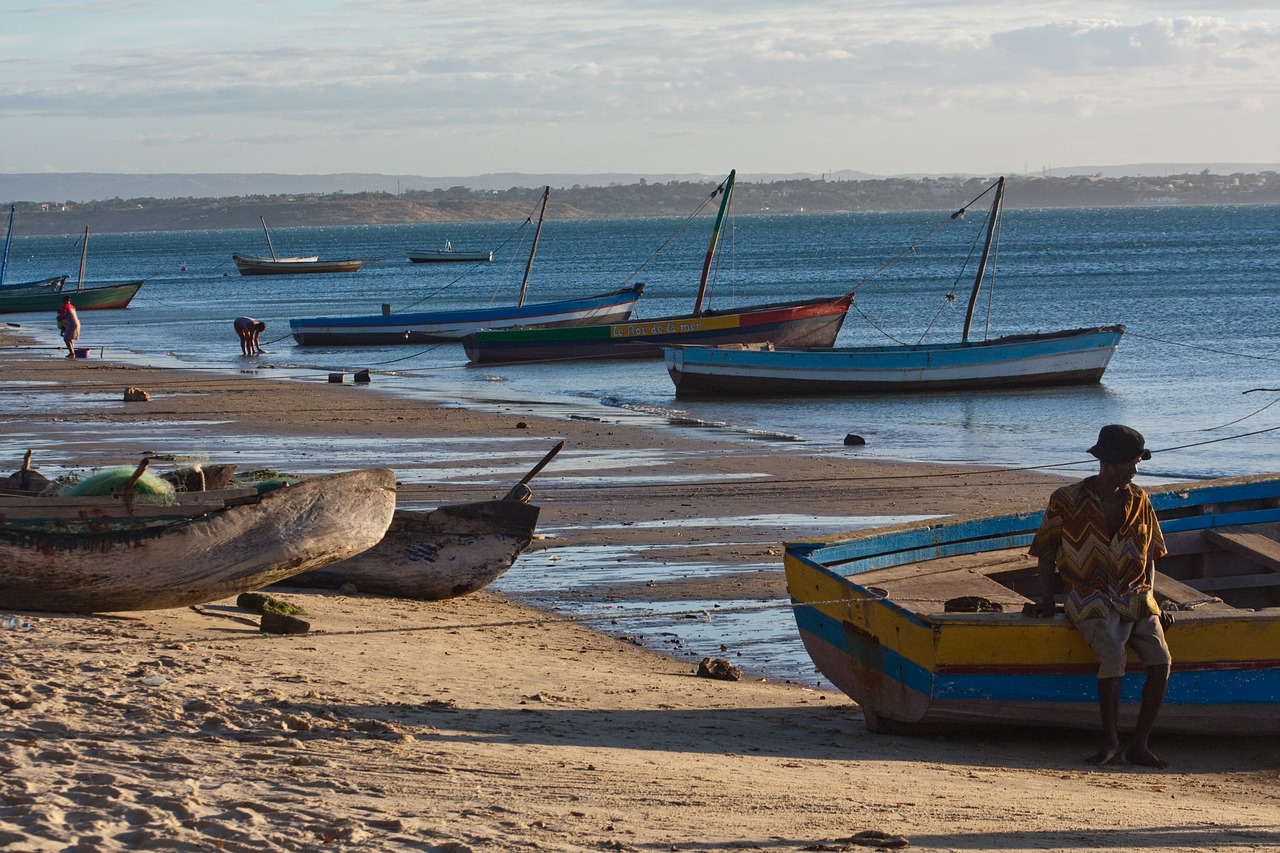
(533, 250)
(727, 189)
(992, 219)
(84, 252)
(8, 235)
(270, 247)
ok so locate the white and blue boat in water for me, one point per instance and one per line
(1070, 357)
(413, 327)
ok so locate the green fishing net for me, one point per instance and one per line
(111, 481)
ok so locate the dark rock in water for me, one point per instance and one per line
(278, 623)
(719, 668)
(852, 440)
(361, 377)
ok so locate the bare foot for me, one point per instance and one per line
(1107, 755)
(1145, 757)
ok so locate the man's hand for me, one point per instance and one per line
(1041, 609)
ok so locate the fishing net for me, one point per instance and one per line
(264, 486)
(111, 481)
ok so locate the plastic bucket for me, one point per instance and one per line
(82, 352)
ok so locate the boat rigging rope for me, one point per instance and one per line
(911, 249)
(680, 229)
(1206, 349)
(520, 231)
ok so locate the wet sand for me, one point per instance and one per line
(481, 723)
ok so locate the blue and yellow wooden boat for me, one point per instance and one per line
(923, 624)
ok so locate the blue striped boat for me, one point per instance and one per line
(904, 619)
(1071, 357)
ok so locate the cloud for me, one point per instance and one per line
(642, 70)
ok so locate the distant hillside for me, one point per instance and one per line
(641, 198)
(81, 187)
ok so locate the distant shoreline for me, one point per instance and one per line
(673, 199)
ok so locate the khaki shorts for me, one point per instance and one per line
(1108, 636)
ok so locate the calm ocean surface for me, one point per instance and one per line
(1196, 286)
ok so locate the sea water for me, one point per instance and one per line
(1196, 373)
(1196, 287)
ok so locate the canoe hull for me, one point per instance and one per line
(436, 326)
(94, 298)
(104, 558)
(44, 285)
(863, 606)
(1072, 357)
(435, 555)
(815, 323)
(249, 265)
(444, 256)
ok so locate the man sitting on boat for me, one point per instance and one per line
(1101, 536)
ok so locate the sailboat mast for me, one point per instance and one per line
(533, 250)
(270, 247)
(727, 189)
(8, 235)
(992, 219)
(84, 252)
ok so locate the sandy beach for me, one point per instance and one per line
(484, 724)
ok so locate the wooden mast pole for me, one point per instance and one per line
(727, 189)
(8, 236)
(84, 251)
(992, 219)
(270, 248)
(524, 285)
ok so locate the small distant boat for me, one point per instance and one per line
(922, 623)
(446, 255)
(1070, 357)
(413, 327)
(275, 265)
(47, 294)
(813, 322)
(119, 553)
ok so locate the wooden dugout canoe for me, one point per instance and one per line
(103, 554)
(436, 554)
(892, 616)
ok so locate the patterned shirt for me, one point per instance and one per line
(1101, 572)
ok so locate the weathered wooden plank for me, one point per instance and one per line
(1183, 594)
(1260, 549)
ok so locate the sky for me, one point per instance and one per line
(472, 87)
